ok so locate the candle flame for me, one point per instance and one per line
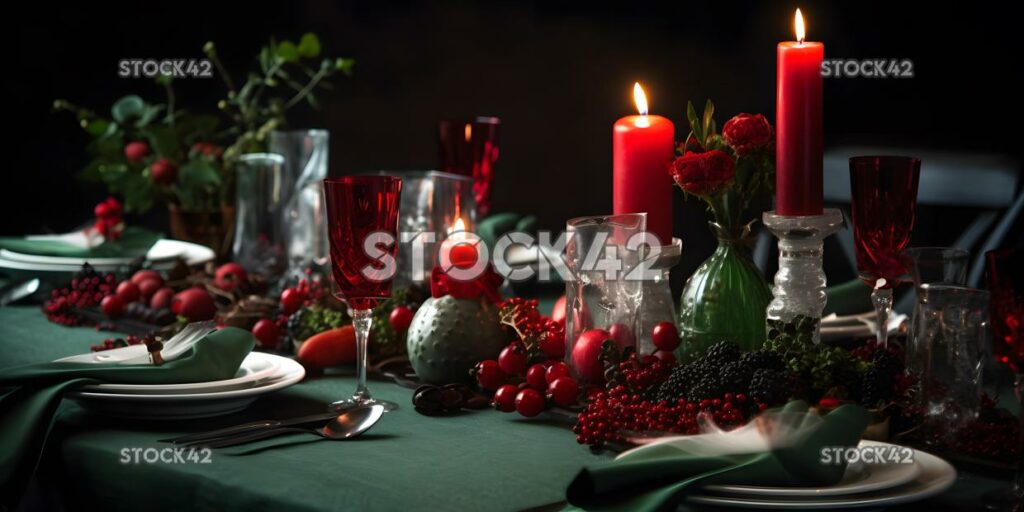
(640, 98)
(468, 132)
(458, 227)
(798, 21)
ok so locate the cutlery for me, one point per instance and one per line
(15, 292)
(347, 425)
(246, 428)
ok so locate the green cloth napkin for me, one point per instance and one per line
(26, 413)
(659, 477)
(133, 243)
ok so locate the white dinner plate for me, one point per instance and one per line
(859, 478)
(182, 406)
(856, 326)
(935, 476)
(164, 250)
(256, 367)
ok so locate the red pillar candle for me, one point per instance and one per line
(643, 146)
(798, 153)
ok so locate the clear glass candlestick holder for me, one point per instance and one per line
(800, 281)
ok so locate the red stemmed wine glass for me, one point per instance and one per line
(362, 224)
(884, 194)
(1005, 276)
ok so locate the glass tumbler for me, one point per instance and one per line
(304, 216)
(602, 298)
(259, 236)
(932, 266)
(952, 333)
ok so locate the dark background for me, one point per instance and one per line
(558, 74)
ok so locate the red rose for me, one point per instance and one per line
(703, 174)
(747, 132)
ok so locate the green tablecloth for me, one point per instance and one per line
(481, 460)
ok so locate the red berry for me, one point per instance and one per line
(555, 371)
(128, 292)
(622, 335)
(535, 377)
(102, 210)
(161, 298)
(229, 276)
(195, 304)
(144, 275)
(163, 172)
(586, 352)
(400, 318)
(505, 398)
(147, 287)
(665, 336)
(553, 344)
(564, 390)
(529, 402)
(113, 306)
(135, 151)
(666, 356)
(512, 359)
(291, 300)
(489, 375)
(265, 332)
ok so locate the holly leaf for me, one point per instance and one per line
(163, 139)
(198, 174)
(309, 45)
(126, 108)
(287, 51)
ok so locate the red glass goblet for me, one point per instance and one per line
(884, 194)
(362, 223)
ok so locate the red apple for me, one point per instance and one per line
(147, 287)
(161, 298)
(195, 304)
(586, 355)
(128, 292)
(112, 306)
(230, 275)
(145, 275)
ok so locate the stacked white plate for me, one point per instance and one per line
(259, 374)
(863, 486)
(835, 327)
(163, 254)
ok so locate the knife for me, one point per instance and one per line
(250, 427)
(15, 292)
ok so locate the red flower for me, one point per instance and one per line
(703, 174)
(747, 132)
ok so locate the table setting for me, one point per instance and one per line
(296, 338)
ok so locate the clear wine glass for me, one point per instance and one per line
(884, 194)
(362, 223)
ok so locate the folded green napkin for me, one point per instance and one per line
(659, 476)
(26, 412)
(133, 243)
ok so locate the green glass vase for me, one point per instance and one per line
(724, 299)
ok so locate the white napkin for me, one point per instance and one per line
(137, 354)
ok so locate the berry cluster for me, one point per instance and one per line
(108, 219)
(539, 334)
(723, 369)
(110, 343)
(87, 289)
(623, 409)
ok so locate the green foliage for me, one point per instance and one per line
(289, 74)
(315, 319)
(386, 341)
(819, 368)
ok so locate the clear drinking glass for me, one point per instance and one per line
(952, 334)
(933, 266)
(305, 155)
(470, 147)
(362, 214)
(884, 193)
(432, 202)
(599, 294)
(259, 235)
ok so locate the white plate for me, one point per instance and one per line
(856, 326)
(256, 367)
(935, 477)
(192, 405)
(162, 254)
(859, 478)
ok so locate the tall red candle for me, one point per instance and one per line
(798, 144)
(643, 146)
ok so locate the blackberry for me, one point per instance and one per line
(850, 380)
(762, 359)
(704, 390)
(679, 382)
(876, 386)
(735, 377)
(769, 386)
(722, 352)
(887, 362)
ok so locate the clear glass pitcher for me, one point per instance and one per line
(259, 236)
(304, 217)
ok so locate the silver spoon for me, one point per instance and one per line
(346, 425)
